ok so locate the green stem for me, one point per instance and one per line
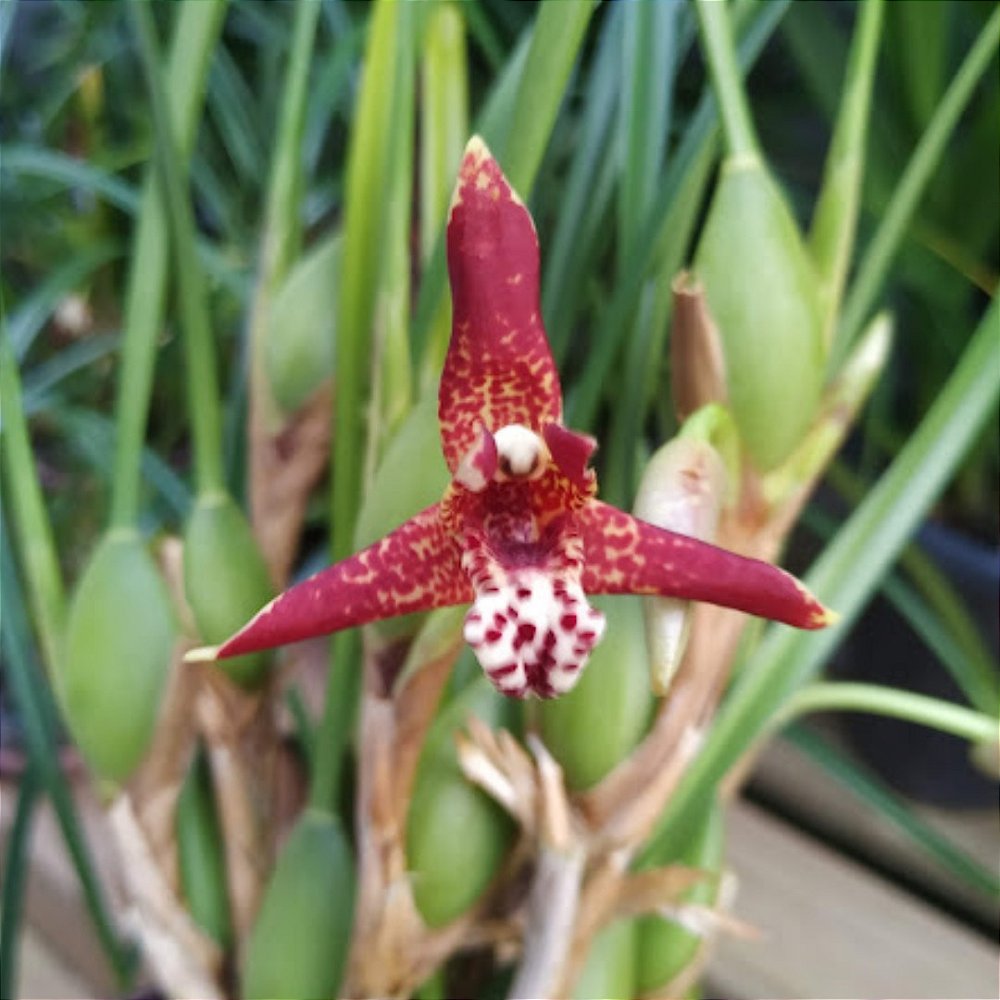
(282, 230)
(720, 52)
(198, 28)
(894, 224)
(203, 400)
(876, 699)
(283, 226)
(33, 529)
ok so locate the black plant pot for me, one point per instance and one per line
(923, 763)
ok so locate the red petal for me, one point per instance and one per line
(623, 555)
(499, 368)
(571, 451)
(415, 568)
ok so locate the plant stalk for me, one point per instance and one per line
(206, 421)
(720, 53)
(877, 699)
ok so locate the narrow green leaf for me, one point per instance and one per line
(649, 45)
(444, 118)
(32, 313)
(69, 172)
(369, 173)
(584, 399)
(555, 41)
(16, 863)
(202, 379)
(586, 194)
(895, 221)
(198, 27)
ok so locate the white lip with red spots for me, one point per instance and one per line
(532, 633)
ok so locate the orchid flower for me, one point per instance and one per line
(519, 533)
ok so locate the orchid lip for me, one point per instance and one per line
(532, 633)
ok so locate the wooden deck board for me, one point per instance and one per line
(832, 929)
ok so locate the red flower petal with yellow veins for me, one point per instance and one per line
(623, 555)
(499, 369)
(416, 568)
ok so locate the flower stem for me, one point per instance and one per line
(720, 52)
(877, 699)
(203, 397)
(836, 217)
(197, 29)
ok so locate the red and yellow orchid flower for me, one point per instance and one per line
(519, 533)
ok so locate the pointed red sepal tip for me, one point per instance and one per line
(624, 555)
(498, 369)
(415, 568)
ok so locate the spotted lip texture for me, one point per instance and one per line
(519, 532)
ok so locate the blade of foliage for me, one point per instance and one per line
(38, 718)
(836, 215)
(444, 129)
(393, 385)
(555, 41)
(850, 568)
(92, 436)
(43, 378)
(649, 43)
(15, 870)
(68, 172)
(586, 193)
(517, 127)
(281, 238)
(894, 223)
(444, 117)
(893, 809)
(431, 326)
(935, 612)
(235, 109)
(202, 380)
(701, 131)
(35, 540)
(197, 30)
(377, 121)
(34, 310)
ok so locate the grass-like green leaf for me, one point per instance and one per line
(68, 172)
(198, 27)
(895, 221)
(16, 863)
(585, 397)
(34, 310)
